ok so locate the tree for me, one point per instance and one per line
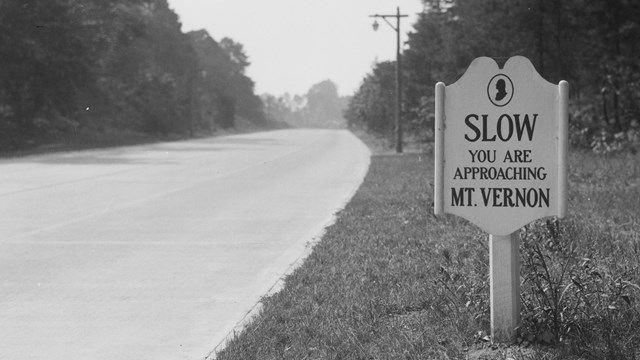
(372, 106)
(223, 88)
(237, 56)
(323, 105)
(69, 66)
(44, 61)
(320, 107)
(248, 104)
(163, 63)
(593, 45)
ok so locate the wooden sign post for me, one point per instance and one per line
(500, 162)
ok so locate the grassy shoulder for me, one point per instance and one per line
(389, 280)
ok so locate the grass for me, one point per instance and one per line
(391, 281)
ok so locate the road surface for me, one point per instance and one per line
(157, 251)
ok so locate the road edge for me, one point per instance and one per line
(314, 237)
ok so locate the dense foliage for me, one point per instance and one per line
(70, 66)
(221, 88)
(374, 101)
(591, 44)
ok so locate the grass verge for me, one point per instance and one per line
(390, 281)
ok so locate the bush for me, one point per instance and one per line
(589, 129)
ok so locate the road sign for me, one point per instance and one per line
(502, 146)
(500, 162)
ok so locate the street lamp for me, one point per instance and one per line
(398, 125)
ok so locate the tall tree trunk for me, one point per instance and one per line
(541, 36)
(616, 80)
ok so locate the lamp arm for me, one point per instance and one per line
(390, 24)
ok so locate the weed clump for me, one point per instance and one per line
(578, 292)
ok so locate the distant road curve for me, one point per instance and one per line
(156, 251)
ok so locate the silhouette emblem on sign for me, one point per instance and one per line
(500, 90)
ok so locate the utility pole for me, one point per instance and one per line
(398, 124)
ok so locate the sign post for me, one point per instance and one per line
(500, 162)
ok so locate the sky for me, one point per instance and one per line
(294, 44)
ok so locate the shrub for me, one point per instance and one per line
(589, 129)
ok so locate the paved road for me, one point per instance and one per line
(155, 252)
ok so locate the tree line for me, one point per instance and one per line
(320, 107)
(591, 44)
(69, 66)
